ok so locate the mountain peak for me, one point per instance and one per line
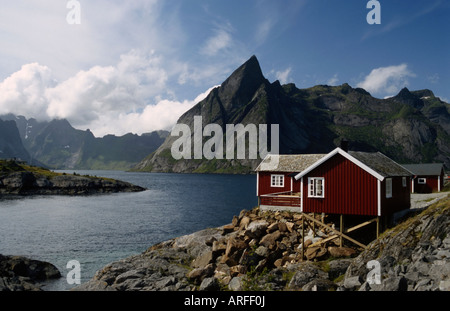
(406, 97)
(405, 93)
(250, 70)
(239, 88)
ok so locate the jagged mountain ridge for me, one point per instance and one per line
(57, 144)
(411, 127)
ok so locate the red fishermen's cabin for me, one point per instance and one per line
(427, 178)
(340, 182)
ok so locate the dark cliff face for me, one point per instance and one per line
(10, 143)
(410, 127)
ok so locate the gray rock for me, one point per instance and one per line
(22, 274)
(338, 267)
(256, 229)
(164, 282)
(269, 239)
(203, 260)
(262, 251)
(444, 285)
(131, 274)
(395, 283)
(319, 285)
(236, 283)
(306, 272)
(352, 282)
(209, 284)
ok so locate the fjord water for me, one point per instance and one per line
(96, 230)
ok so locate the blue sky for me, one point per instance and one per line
(137, 65)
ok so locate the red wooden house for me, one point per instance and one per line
(427, 178)
(340, 182)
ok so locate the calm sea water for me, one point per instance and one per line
(96, 230)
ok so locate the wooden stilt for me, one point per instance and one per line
(341, 229)
(341, 235)
(378, 226)
(303, 237)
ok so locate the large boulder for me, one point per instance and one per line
(19, 273)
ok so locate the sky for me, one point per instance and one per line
(120, 66)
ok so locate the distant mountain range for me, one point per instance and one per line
(411, 127)
(56, 144)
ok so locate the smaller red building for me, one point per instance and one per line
(340, 182)
(427, 178)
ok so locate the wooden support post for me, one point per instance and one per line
(335, 231)
(378, 226)
(341, 229)
(303, 236)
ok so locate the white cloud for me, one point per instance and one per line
(221, 40)
(24, 91)
(37, 31)
(444, 99)
(125, 87)
(127, 97)
(162, 115)
(283, 76)
(334, 80)
(263, 30)
(386, 80)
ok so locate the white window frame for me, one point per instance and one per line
(421, 181)
(314, 190)
(388, 188)
(404, 182)
(277, 180)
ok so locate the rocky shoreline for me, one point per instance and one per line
(27, 183)
(18, 179)
(19, 273)
(261, 251)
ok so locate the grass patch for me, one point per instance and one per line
(10, 166)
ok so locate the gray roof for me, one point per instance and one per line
(425, 169)
(290, 163)
(380, 163)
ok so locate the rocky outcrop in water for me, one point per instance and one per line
(21, 179)
(23, 274)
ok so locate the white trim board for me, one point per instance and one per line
(345, 155)
(379, 197)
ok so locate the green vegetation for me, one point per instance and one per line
(10, 166)
(256, 281)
